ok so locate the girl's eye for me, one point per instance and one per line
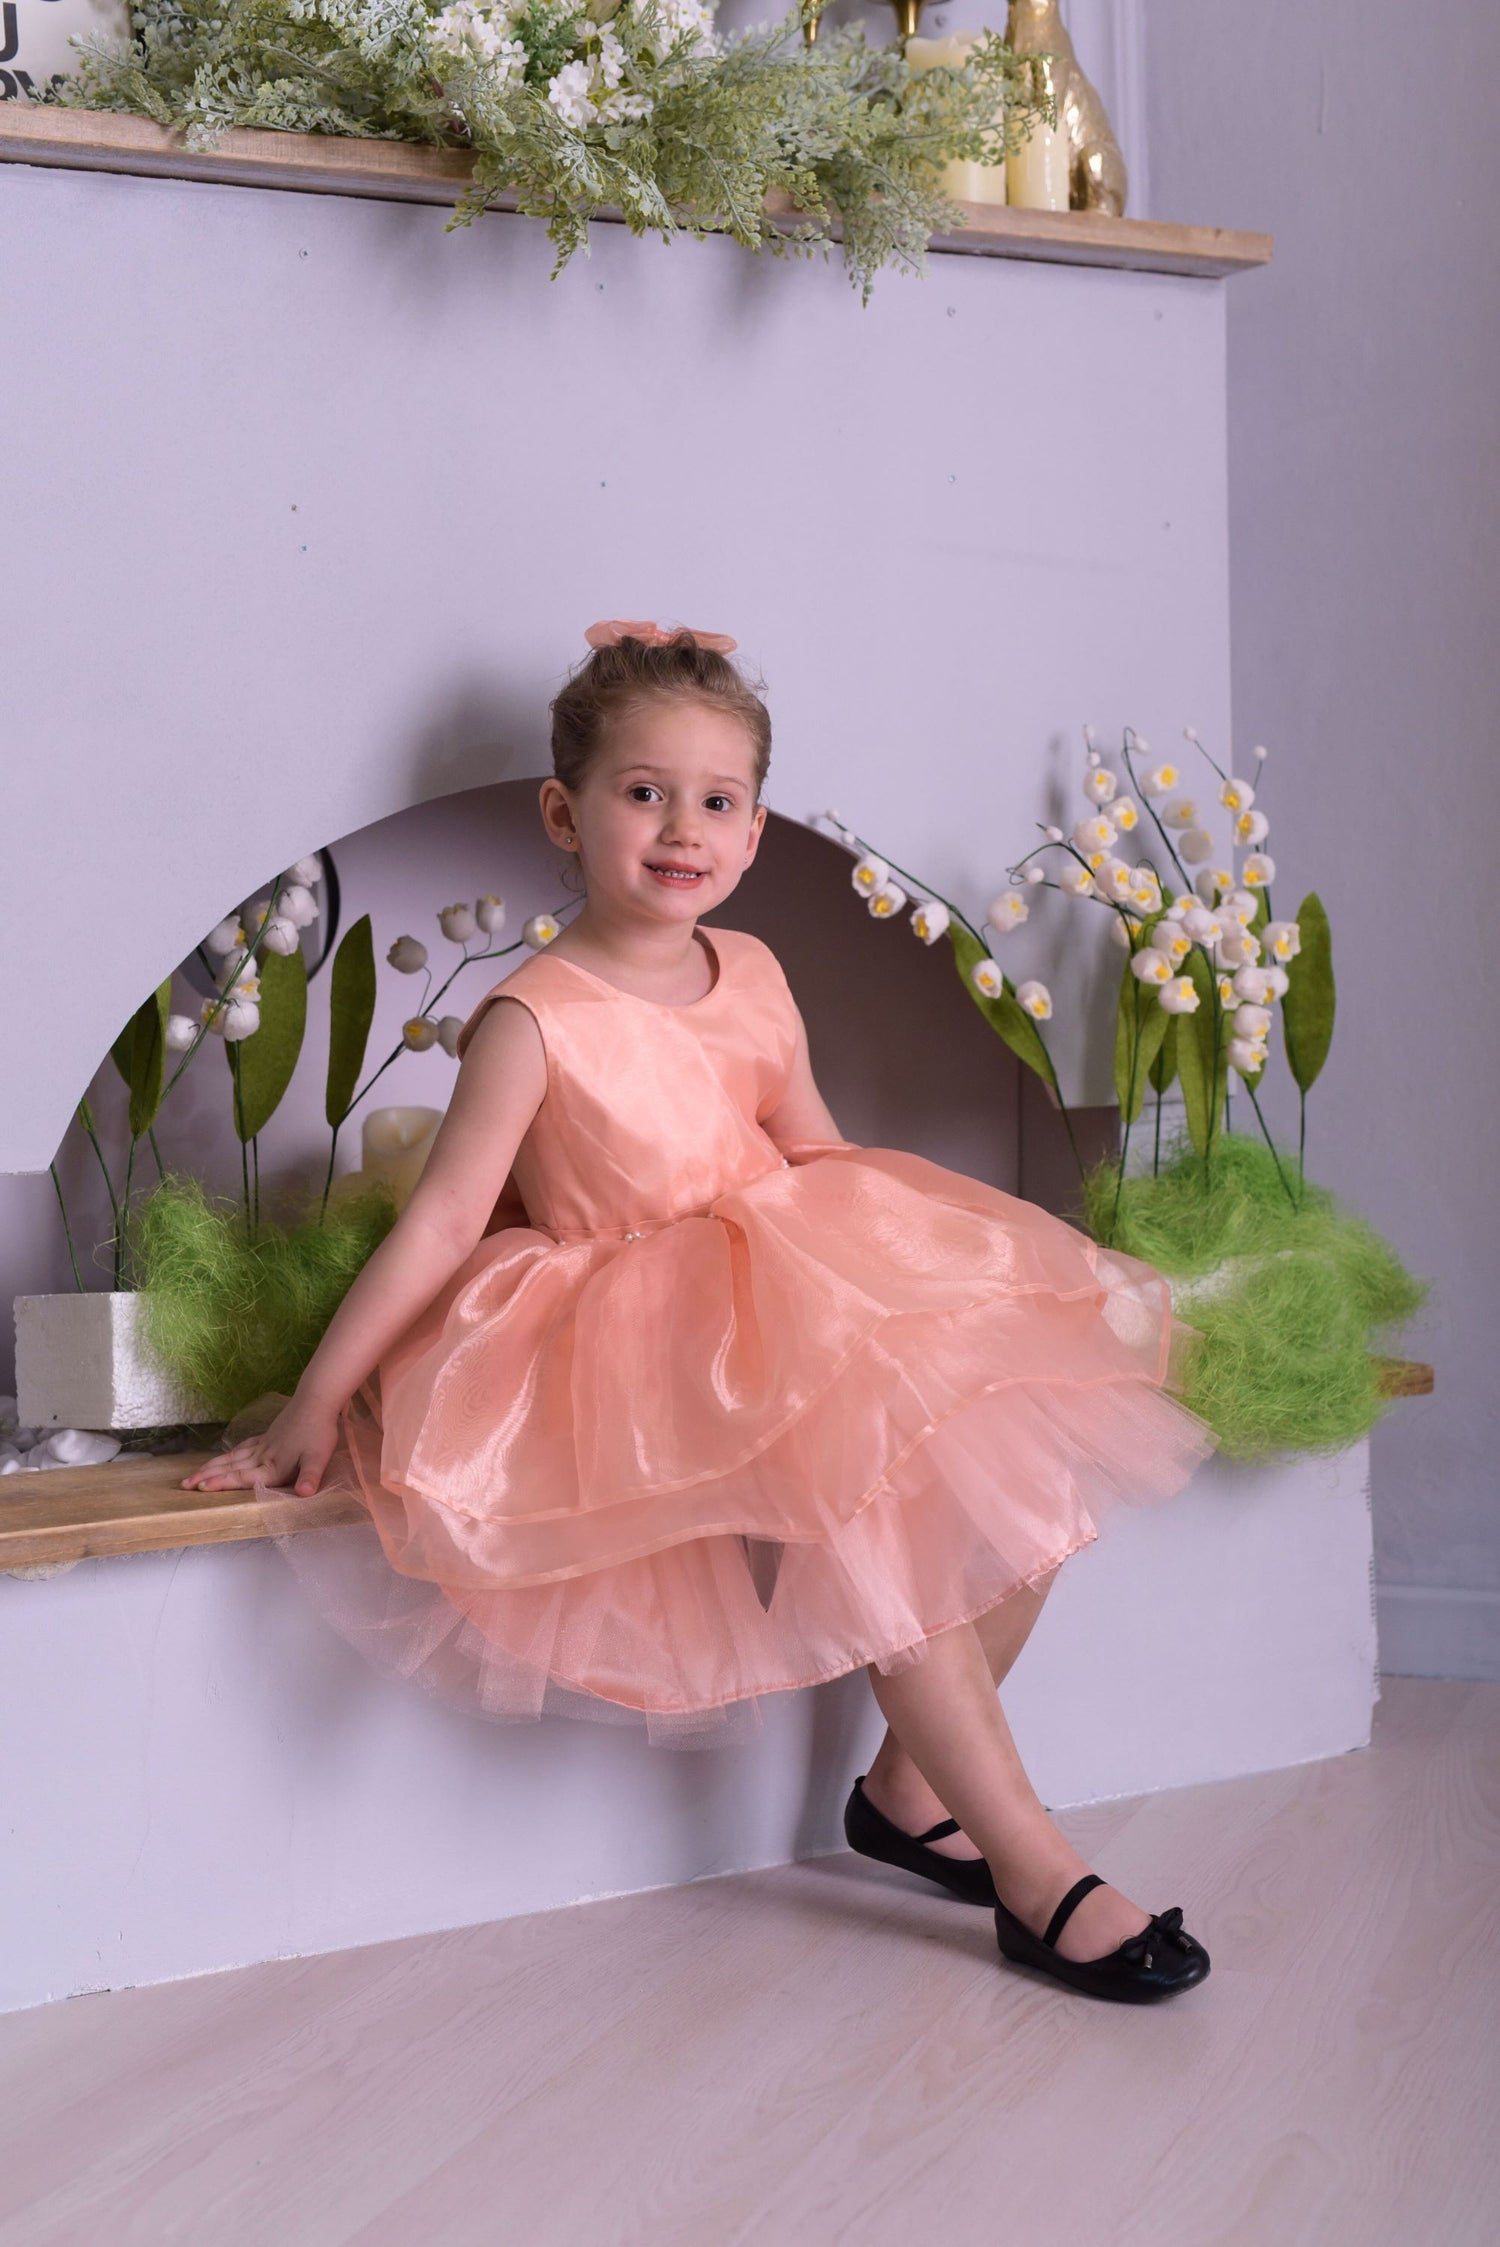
(639, 785)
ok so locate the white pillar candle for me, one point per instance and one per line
(1037, 172)
(968, 181)
(395, 1145)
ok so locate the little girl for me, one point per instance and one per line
(661, 1395)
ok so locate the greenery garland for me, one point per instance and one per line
(579, 106)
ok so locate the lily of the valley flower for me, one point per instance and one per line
(1201, 925)
(1282, 939)
(407, 956)
(1100, 786)
(1248, 1055)
(1276, 981)
(930, 920)
(1150, 966)
(419, 1033)
(1179, 811)
(1124, 813)
(489, 912)
(869, 874)
(297, 905)
(987, 977)
(539, 930)
(1253, 1021)
(1035, 999)
(1240, 905)
(242, 975)
(1211, 882)
(1195, 845)
(238, 1018)
(1237, 795)
(1115, 881)
(1229, 998)
(180, 1033)
(1180, 996)
(1160, 780)
(1251, 827)
(227, 936)
(447, 1030)
(279, 935)
(306, 872)
(1007, 911)
(1254, 985)
(1236, 948)
(1124, 928)
(1258, 870)
(888, 899)
(1094, 834)
(1076, 880)
(457, 923)
(1172, 938)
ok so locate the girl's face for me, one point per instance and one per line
(666, 820)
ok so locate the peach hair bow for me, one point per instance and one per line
(612, 629)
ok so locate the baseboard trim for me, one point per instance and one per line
(1437, 1630)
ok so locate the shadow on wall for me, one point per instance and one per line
(901, 1055)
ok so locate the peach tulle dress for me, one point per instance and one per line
(717, 1418)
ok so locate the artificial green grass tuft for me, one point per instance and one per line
(1300, 1294)
(234, 1319)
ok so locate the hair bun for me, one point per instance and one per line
(610, 631)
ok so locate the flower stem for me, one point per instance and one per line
(1270, 1142)
(67, 1228)
(1151, 808)
(1135, 1055)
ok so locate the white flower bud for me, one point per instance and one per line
(297, 905)
(238, 974)
(986, 977)
(1036, 1000)
(1124, 928)
(1076, 879)
(1053, 834)
(888, 899)
(457, 923)
(489, 912)
(1196, 845)
(539, 930)
(1172, 938)
(228, 936)
(930, 920)
(1254, 985)
(1161, 780)
(1201, 925)
(1122, 810)
(1007, 911)
(407, 956)
(1035, 874)
(1235, 949)
(281, 936)
(181, 1031)
(1181, 996)
(1101, 786)
(1276, 981)
(1260, 755)
(306, 873)
(1150, 966)
(1251, 828)
(1094, 834)
(239, 1019)
(1248, 1055)
(1258, 870)
(1254, 1021)
(1210, 881)
(1179, 811)
(419, 1033)
(447, 1030)
(1283, 939)
(1237, 795)
(868, 874)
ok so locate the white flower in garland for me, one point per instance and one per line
(420, 1033)
(1237, 795)
(987, 977)
(1236, 948)
(1247, 1055)
(447, 1030)
(1076, 880)
(1124, 813)
(1150, 966)
(1252, 828)
(1094, 834)
(1258, 870)
(1240, 905)
(1124, 928)
(1196, 845)
(1201, 925)
(1254, 985)
(1252, 1021)
(1036, 1000)
(1101, 785)
(1160, 781)
(1115, 881)
(458, 923)
(540, 930)
(570, 95)
(888, 899)
(1283, 939)
(489, 912)
(181, 1031)
(1172, 938)
(930, 920)
(1211, 881)
(1180, 996)
(1179, 811)
(869, 874)
(227, 936)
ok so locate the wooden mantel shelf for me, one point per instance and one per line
(137, 1505)
(398, 171)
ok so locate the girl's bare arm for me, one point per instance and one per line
(501, 1084)
(801, 1115)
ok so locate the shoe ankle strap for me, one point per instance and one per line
(1074, 1897)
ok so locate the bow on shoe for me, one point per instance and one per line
(1138, 1948)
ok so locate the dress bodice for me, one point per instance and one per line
(651, 1111)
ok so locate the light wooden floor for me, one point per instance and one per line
(829, 2055)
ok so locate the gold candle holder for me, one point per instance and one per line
(908, 16)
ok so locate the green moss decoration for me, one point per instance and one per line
(234, 1318)
(1298, 1299)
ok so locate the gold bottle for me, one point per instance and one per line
(1096, 169)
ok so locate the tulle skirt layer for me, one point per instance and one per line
(847, 1406)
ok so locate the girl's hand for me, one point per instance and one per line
(298, 1445)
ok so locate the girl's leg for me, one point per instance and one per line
(893, 1782)
(947, 1716)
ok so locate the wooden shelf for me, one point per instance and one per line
(136, 1505)
(397, 171)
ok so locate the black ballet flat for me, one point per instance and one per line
(1163, 1959)
(873, 1835)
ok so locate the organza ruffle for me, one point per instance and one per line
(850, 1404)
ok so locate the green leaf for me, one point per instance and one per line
(269, 1055)
(1141, 1024)
(1164, 1068)
(351, 1008)
(1197, 1054)
(140, 1055)
(1308, 1004)
(1004, 1015)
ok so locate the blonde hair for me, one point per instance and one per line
(622, 677)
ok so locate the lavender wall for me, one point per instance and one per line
(1364, 413)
